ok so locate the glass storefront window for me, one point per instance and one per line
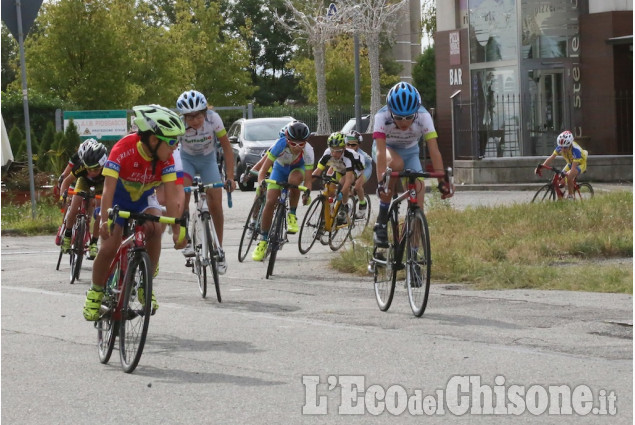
(548, 28)
(493, 30)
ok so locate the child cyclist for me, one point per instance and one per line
(353, 140)
(345, 163)
(137, 164)
(397, 129)
(198, 156)
(92, 156)
(292, 160)
(573, 154)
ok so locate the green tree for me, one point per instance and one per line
(56, 155)
(424, 77)
(18, 143)
(71, 141)
(9, 57)
(44, 147)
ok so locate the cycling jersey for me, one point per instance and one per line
(575, 154)
(203, 140)
(79, 171)
(132, 168)
(348, 161)
(178, 165)
(385, 128)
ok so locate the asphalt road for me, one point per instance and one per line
(311, 346)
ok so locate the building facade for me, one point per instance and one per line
(513, 74)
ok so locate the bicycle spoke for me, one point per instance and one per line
(384, 272)
(311, 228)
(418, 262)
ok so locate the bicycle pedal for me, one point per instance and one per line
(189, 263)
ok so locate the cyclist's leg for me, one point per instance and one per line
(153, 231)
(296, 176)
(411, 162)
(572, 174)
(207, 168)
(394, 162)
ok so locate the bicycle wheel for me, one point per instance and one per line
(312, 227)
(199, 268)
(275, 236)
(61, 232)
(136, 310)
(340, 232)
(385, 272)
(360, 223)
(418, 262)
(77, 248)
(107, 328)
(250, 230)
(584, 191)
(544, 194)
(212, 254)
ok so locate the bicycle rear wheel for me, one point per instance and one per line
(136, 310)
(199, 268)
(385, 272)
(584, 191)
(418, 262)
(544, 194)
(312, 225)
(250, 230)
(340, 232)
(107, 327)
(275, 237)
(212, 254)
(359, 224)
(77, 248)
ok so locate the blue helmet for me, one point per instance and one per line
(403, 99)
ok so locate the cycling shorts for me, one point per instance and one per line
(410, 157)
(281, 173)
(577, 166)
(203, 165)
(82, 184)
(139, 206)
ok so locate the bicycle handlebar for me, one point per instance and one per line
(85, 195)
(446, 175)
(201, 187)
(115, 212)
(288, 185)
(550, 168)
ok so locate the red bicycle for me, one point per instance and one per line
(80, 239)
(127, 304)
(557, 189)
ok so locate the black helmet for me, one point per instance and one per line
(298, 130)
(94, 154)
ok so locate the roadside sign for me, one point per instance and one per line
(102, 125)
(332, 10)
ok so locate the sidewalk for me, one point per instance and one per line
(600, 187)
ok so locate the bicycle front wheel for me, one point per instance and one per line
(212, 253)
(385, 270)
(106, 336)
(340, 232)
(361, 217)
(584, 191)
(136, 310)
(418, 262)
(199, 268)
(77, 248)
(312, 226)
(276, 237)
(544, 194)
(250, 230)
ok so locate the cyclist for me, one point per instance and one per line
(85, 173)
(397, 129)
(345, 163)
(198, 156)
(573, 154)
(292, 160)
(353, 140)
(137, 164)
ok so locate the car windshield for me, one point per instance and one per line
(266, 130)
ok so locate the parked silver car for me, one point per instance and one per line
(251, 138)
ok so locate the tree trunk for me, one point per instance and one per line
(372, 43)
(323, 121)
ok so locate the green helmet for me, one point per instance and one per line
(336, 140)
(159, 120)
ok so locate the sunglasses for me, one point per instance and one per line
(296, 144)
(352, 144)
(337, 150)
(92, 167)
(403, 118)
(171, 142)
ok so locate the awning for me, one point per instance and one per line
(625, 39)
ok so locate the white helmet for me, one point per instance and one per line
(565, 139)
(191, 101)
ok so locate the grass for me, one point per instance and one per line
(17, 219)
(557, 245)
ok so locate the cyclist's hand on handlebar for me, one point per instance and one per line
(446, 189)
(230, 185)
(538, 170)
(306, 197)
(179, 243)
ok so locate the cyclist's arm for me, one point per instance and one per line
(107, 195)
(67, 182)
(172, 206)
(435, 155)
(308, 178)
(380, 143)
(347, 180)
(228, 152)
(262, 173)
(549, 159)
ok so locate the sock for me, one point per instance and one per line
(292, 210)
(382, 217)
(94, 287)
(265, 236)
(93, 240)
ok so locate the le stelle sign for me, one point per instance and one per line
(101, 125)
